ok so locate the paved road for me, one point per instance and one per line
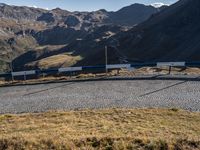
(101, 94)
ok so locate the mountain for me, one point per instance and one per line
(16, 12)
(31, 37)
(171, 35)
(132, 14)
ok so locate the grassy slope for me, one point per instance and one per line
(55, 61)
(105, 129)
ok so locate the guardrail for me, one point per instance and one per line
(27, 73)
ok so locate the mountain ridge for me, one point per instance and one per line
(25, 29)
(170, 35)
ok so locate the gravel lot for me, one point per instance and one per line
(183, 94)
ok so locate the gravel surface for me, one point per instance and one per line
(176, 93)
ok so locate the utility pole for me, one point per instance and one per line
(106, 58)
(170, 68)
(11, 68)
(11, 64)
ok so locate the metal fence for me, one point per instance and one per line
(36, 73)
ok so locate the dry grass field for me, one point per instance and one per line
(147, 129)
(63, 60)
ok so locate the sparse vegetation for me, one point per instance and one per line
(157, 129)
(3, 66)
(62, 60)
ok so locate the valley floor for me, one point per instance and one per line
(102, 129)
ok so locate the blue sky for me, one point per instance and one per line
(82, 5)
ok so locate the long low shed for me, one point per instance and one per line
(23, 73)
(172, 64)
(117, 66)
(69, 69)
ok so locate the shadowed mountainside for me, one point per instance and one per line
(170, 35)
(24, 30)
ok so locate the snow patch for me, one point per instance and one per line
(34, 6)
(159, 4)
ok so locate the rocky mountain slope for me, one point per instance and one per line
(30, 35)
(171, 35)
(132, 15)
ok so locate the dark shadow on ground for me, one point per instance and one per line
(167, 87)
